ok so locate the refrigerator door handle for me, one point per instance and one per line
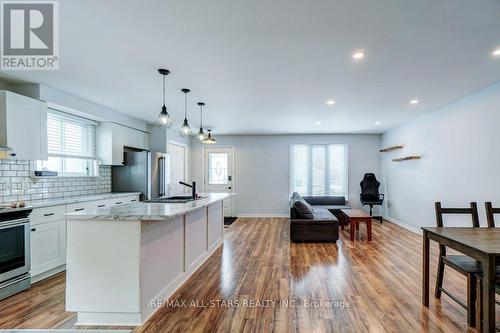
(160, 176)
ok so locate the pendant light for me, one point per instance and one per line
(185, 129)
(209, 139)
(201, 135)
(164, 119)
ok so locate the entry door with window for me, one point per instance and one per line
(219, 174)
(177, 168)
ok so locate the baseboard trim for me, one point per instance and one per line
(403, 225)
(263, 215)
(47, 274)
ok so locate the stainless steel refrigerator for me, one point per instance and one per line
(142, 171)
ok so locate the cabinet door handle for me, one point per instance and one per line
(79, 209)
(99, 206)
(133, 200)
(33, 229)
(48, 214)
(118, 203)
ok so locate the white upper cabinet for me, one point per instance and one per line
(23, 126)
(111, 138)
(135, 139)
(110, 144)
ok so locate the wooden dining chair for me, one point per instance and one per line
(463, 264)
(490, 216)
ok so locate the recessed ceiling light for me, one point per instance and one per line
(318, 123)
(358, 55)
(377, 123)
(496, 53)
(414, 102)
(330, 102)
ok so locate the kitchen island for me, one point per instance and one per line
(124, 260)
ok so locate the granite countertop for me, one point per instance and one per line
(148, 211)
(76, 199)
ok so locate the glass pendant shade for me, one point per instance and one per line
(201, 135)
(209, 139)
(164, 119)
(185, 129)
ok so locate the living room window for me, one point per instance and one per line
(318, 169)
(71, 144)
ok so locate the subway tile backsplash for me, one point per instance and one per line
(16, 183)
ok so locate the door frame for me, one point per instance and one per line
(233, 178)
(186, 160)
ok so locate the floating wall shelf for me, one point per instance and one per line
(406, 158)
(385, 150)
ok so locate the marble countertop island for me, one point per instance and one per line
(122, 259)
(148, 211)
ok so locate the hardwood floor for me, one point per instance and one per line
(376, 285)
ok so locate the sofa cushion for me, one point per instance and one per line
(302, 209)
(320, 216)
(326, 200)
(331, 207)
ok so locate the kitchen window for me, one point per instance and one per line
(71, 144)
(318, 169)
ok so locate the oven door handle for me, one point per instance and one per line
(13, 223)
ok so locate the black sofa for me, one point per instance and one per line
(315, 218)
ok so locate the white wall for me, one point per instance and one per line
(461, 160)
(261, 173)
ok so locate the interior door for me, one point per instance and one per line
(219, 173)
(177, 168)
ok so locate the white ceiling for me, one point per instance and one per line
(269, 66)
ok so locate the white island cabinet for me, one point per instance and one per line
(121, 260)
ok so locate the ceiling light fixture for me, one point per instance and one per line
(358, 55)
(201, 135)
(377, 123)
(185, 129)
(164, 119)
(209, 139)
(330, 102)
(318, 123)
(496, 53)
(414, 102)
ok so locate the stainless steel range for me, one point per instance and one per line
(14, 250)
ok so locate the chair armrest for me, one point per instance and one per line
(381, 197)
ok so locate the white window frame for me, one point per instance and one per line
(92, 161)
(309, 185)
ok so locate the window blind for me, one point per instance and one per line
(69, 136)
(319, 169)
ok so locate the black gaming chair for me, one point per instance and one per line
(369, 193)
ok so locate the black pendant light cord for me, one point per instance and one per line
(164, 86)
(185, 105)
(201, 116)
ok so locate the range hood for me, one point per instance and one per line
(4, 152)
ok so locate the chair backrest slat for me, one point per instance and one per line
(490, 212)
(472, 211)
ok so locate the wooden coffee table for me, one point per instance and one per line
(354, 217)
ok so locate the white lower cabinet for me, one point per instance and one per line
(48, 246)
(48, 233)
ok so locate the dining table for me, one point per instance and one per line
(482, 244)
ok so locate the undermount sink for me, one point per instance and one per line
(174, 199)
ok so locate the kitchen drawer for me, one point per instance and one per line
(123, 200)
(47, 214)
(80, 206)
